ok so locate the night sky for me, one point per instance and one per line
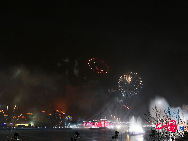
(37, 37)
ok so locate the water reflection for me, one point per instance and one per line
(137, 138)
(64, 135)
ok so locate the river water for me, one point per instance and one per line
(66, 134)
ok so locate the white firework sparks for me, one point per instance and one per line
(130, 84)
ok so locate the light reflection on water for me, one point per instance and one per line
(137, 138)
(65, 135)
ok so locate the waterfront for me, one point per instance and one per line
(65, 134)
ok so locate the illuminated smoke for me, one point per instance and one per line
(35, 90)
(161, 106)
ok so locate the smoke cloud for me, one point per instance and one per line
(33, 90)
(162, 106)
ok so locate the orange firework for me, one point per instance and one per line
(125, 106)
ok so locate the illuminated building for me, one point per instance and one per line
(13, 117)
(97, 124)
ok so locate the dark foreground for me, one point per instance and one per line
(66, 134)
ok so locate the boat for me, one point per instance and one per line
(14, 139)
(103, 128)
(97, 128)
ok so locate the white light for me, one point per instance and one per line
(159, 102)
(118, 126)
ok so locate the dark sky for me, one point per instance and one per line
(148, 38)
